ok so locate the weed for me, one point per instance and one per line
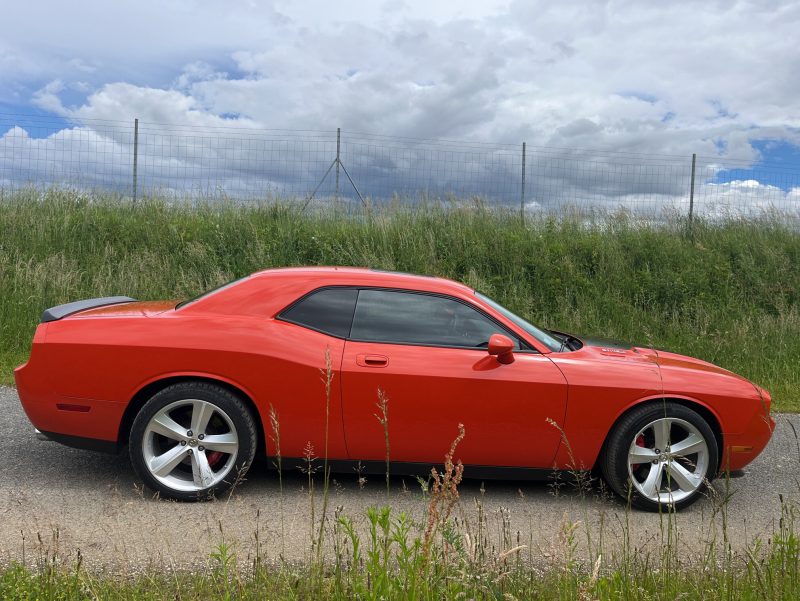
(443, 492)
(383, 420)
(327, 379)
(275, 427)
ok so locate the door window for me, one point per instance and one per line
(420, 319)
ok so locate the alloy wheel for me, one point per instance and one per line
(668, 460)
(190, 445)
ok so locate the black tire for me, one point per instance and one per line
(681, 421)
(229, 418)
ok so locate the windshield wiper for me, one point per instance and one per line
(564, 340)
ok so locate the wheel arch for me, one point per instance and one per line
(154, 386)
(696, 405)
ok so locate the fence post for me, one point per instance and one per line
(135, 156)
(522, 191)
(691, 191)
(338, 160)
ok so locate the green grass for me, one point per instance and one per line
(728, 293)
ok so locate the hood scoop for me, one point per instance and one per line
(612, 351)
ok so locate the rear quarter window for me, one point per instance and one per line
(329, 310)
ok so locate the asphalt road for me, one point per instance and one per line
(56, 498)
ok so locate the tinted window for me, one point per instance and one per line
(405, 317)
(330, 311)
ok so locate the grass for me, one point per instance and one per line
(727, 293)
(391, 566)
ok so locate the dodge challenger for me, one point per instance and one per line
(188, 388)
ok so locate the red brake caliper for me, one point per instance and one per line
(215, 456)
(639, 443)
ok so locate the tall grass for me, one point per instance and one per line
(727, 293)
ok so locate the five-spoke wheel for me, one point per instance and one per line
(660, 455)
(192, 440)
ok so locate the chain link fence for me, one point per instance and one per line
(204, 163)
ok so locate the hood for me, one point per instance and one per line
(669, 362)
(673, 366)
(675, 374)
(673, 361)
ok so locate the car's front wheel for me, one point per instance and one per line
(660, 455)
(192, 441)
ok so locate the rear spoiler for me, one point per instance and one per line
(56, 313)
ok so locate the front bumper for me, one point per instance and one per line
(743, 447)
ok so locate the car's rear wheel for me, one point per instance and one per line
(192, 441)
(660, 456)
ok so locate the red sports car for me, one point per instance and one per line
(190, 387)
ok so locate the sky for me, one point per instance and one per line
(716, 78)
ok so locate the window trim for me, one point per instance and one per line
(525, 346)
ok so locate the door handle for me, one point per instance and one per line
(372, 360)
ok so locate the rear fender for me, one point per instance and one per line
(151, 386)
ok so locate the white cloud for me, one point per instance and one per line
(526, 70)
(748, 198)
(68, 157)
(652, 78)
(499, 71)
(47, 97)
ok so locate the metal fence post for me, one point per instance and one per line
(691, 191)
(135, 156)
(338, 160)
(522, 191)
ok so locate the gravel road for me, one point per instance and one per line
(78, 500)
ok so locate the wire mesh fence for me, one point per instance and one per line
(206, 163)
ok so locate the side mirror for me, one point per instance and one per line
(502, 347)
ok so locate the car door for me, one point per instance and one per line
(427, 353)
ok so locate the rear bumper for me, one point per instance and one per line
(79, 442)
(76, 422)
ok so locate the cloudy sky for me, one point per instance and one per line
(717, 78)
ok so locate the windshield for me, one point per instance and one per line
(546, 339)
